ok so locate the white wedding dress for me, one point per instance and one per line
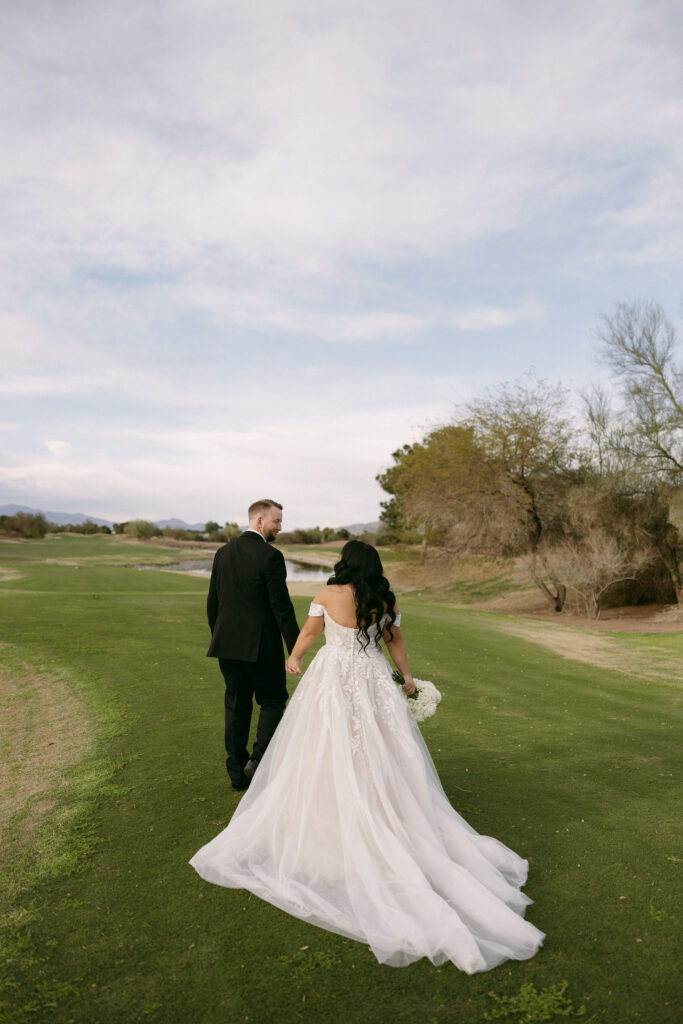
(346, 825)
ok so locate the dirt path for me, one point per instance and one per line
(45, 731)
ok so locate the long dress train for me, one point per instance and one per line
(346, 825)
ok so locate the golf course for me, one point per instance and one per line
(113, 776)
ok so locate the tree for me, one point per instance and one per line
(510, 477)
(24, 524)
(230, 532)
(492, 480)
(528, 442)
(431, 484)
(142, 529)
(616, 547)
(594, 564)
(645, 433)
(640, 441)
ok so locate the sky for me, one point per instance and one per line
(250, 248)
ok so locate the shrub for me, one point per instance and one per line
(142, 529)
(24, 524)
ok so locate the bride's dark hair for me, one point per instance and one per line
(361, 566)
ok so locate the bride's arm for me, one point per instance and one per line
(396, 647)
(313, 627)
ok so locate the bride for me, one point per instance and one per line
(346, 825)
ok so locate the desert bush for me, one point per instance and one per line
(142, 529)
(24, 524)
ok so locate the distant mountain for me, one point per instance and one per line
(58, 518)
(179, 524)
(77, 518)
(357, 528)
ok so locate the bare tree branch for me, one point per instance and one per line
(639, 344)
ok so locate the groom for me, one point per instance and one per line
(249, 610)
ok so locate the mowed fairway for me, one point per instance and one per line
(112, 734)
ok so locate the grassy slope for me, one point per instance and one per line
(74, 552)
(570, 765)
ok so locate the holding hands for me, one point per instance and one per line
(313, 627)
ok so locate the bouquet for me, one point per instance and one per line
(423, 702)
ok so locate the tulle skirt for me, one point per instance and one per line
(346, 826)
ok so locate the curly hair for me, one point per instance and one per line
(361, 566)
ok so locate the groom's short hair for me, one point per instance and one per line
(257, 508)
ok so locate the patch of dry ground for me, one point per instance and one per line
(578, 641)
(46, 730)
(7, 574)
(529, 618)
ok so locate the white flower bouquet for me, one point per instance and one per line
(423, 702)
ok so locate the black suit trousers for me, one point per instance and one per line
(244, 680)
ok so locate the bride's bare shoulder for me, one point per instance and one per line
(323, 595)
(337, 596)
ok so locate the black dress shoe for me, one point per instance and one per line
(249, 769)
(241, 784)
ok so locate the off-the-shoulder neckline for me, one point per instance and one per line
(341, 625)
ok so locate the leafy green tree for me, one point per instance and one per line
(491, 480)
(24, 524)
(230, 532)
(432, 484)
(143, 529)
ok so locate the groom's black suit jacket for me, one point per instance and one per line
(248, 606)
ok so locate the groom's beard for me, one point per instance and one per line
(270, 537)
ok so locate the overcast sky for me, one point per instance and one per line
(250, 247)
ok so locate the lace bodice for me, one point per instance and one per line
(347, 637)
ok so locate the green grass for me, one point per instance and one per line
(97, 549)
(571, 765)
(472, 591)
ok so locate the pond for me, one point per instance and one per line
(301, 571)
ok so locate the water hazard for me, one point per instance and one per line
(306, 572)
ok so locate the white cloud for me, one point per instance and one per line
(322, 470)
(282, 136)
(485, 318)
(58, 448)
(195, 193)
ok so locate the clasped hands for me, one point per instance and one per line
(293, 667)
